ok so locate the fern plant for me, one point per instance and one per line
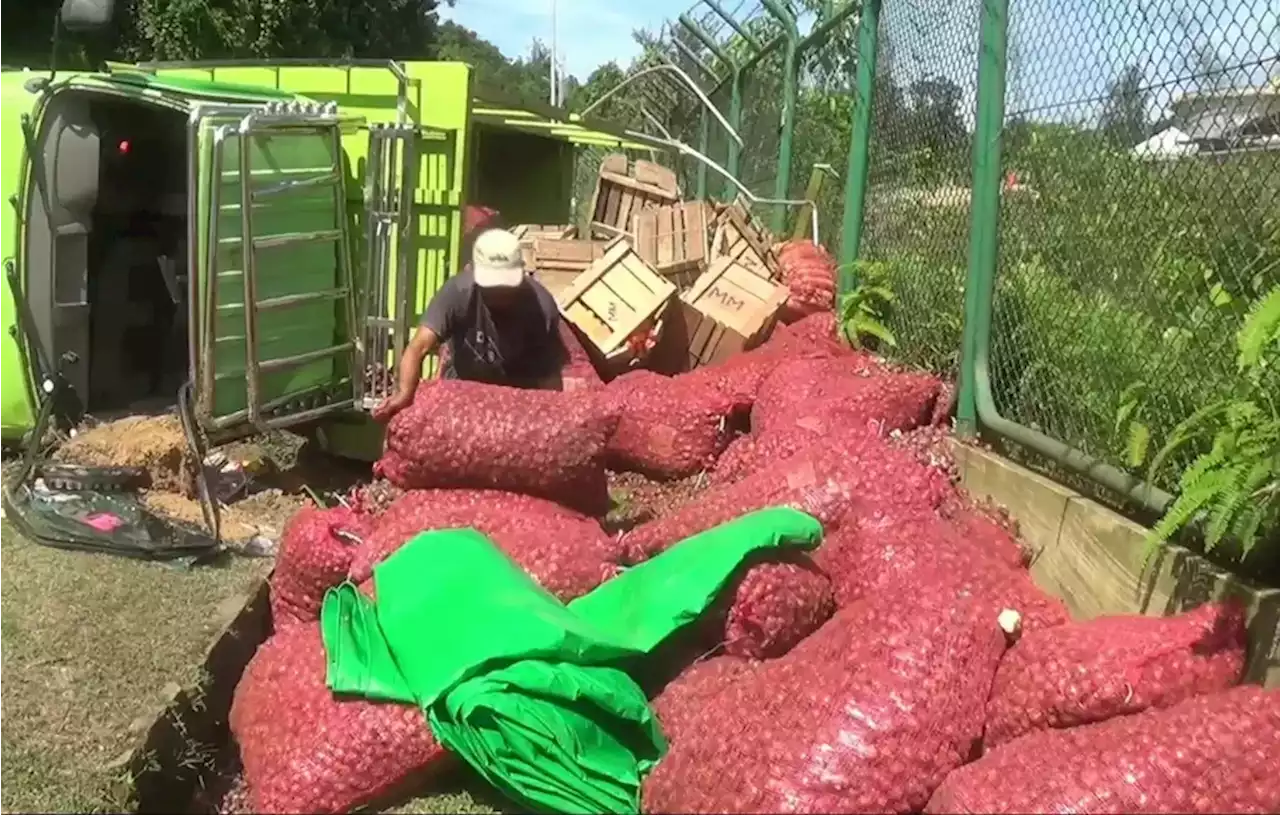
(862, 310)
(1131, 423)
(1233, 489)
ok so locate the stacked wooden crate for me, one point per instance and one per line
(652, 263)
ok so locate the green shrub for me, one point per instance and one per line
(1120, 286)
(1233, 488)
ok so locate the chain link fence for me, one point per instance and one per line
(751, 39)
(1140, 218)
(917, 211)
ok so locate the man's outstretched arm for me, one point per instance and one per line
(423, 342)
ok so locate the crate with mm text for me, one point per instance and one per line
(730, 309)
(617, 304)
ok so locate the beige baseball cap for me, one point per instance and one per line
(496, 260)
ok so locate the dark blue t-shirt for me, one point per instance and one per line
(520, 348)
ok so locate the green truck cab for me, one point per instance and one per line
(266, 232)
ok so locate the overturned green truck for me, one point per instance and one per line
(266, 232)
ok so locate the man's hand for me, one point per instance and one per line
(392, 405)
(424, 341)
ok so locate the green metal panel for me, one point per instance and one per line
(16, 414)
(372, 91)
(194, 87)
(299, 284)
(494, 109)
(436, 96)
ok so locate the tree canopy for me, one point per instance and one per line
(226, 29)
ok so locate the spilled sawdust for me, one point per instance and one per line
(155, 444)
(263, 513)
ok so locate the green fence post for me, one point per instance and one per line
(704, 145)
(855, 191)
(735, 119)
(790, 79)
(984, 223)
(976, 406)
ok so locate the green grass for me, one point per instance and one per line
(91, 643)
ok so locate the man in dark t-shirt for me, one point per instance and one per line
(502, 326)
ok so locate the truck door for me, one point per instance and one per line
(391, 247)
(275, 335)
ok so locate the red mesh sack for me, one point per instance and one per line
(809, 273)
(774, 606)
(807, 423)
(903, 552)
(578, 372)
(868, 714)
(306, 750)
(315, 552)
(931, 446)
(824, 480)
(818, 329)
(740, 375)
(1213, 753)
(567, 553)
(476, 218)
(684, 698)
(992, 530)
(945, 405)
(466, 434)
(856, 383)
(1091, 671)
(668, 426)
(824, 421)
(737, 460)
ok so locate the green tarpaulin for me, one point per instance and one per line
(526, 689)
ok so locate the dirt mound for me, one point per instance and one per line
(154, 443)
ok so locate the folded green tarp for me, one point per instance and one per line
(526, 689)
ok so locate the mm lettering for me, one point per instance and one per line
(726, 299)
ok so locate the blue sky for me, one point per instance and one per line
(591, 32)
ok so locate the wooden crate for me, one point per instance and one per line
(532, 232)
(622, 190)
(735, 309)
(703, 339)
(614, 297)
(740, 238)
(557, 263)
(673, 239)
